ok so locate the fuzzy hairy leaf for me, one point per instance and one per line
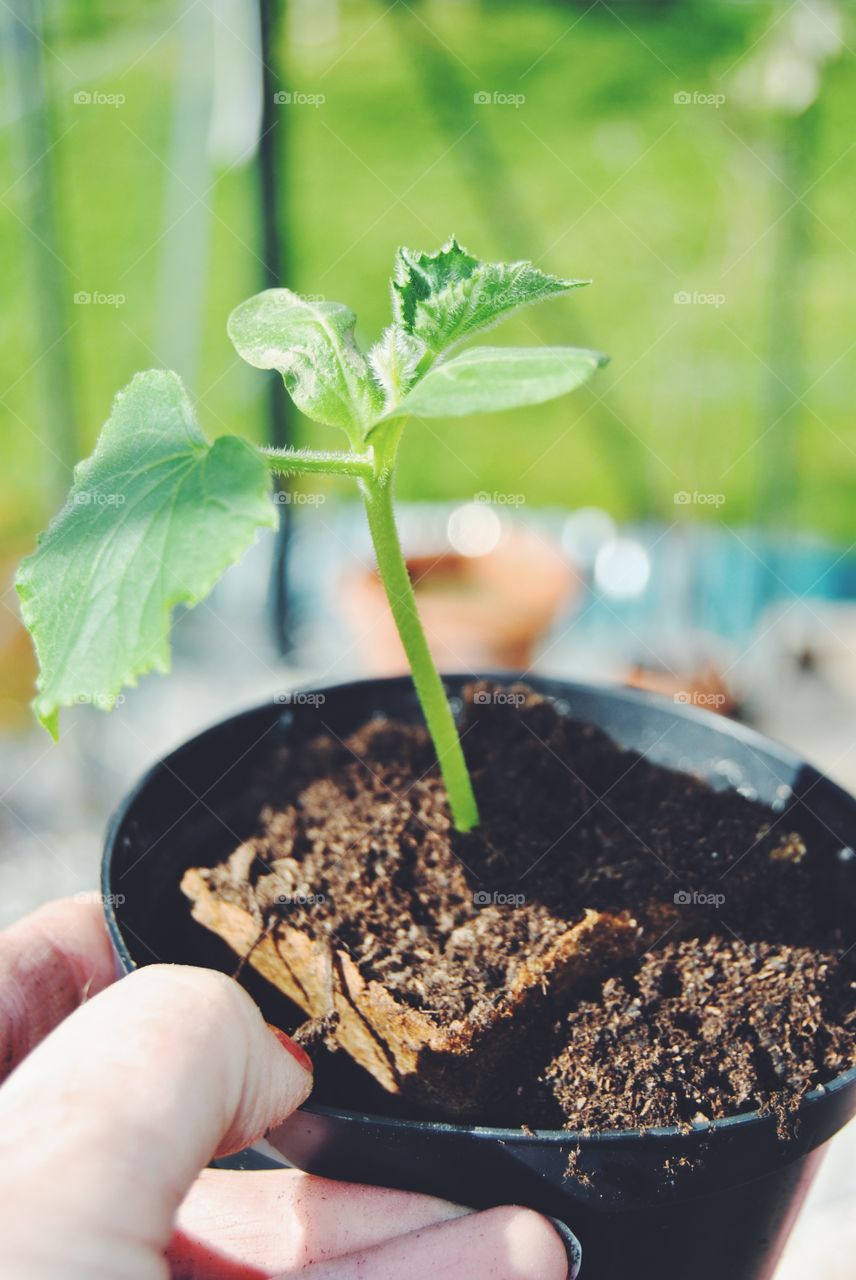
(489, 378)
(312, 345)
(444, 297)
(154, 517)
(394, 360)
(418, 276)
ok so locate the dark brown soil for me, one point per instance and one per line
(722, 1026)
(739, 1000)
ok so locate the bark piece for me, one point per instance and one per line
(454, 1067)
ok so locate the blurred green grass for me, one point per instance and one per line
(597, 173)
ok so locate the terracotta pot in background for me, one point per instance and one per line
(703, 686)
(484, 610)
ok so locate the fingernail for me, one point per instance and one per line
(291, 1046)
(572, 1247)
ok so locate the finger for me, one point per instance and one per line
(49, 963)
(505, 1244)
(106, 1124)
(281, 1219)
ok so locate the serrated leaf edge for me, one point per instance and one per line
(47, 712)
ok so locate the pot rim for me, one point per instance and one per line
(554, 1137)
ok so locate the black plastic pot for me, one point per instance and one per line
(728, 1208)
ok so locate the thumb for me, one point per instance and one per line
(104, 1127)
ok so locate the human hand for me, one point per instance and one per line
(121, 1093)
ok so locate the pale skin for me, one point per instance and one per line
(117, 1095)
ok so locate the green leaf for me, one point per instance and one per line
(154, 517)
(394, 360)
(312, 345)
(489, 378)
(449, 295)
(419, 276)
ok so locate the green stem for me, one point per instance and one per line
(374, 472)
(377, 498)
(289, 462)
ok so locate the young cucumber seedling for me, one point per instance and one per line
(157, 513)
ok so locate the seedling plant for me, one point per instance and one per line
(157, 513)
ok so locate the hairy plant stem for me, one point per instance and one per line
(377, 499)
(291, 462)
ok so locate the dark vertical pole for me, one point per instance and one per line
(270, 165)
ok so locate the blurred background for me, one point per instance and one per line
(685, 523)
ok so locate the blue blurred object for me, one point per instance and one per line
(719, 580)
